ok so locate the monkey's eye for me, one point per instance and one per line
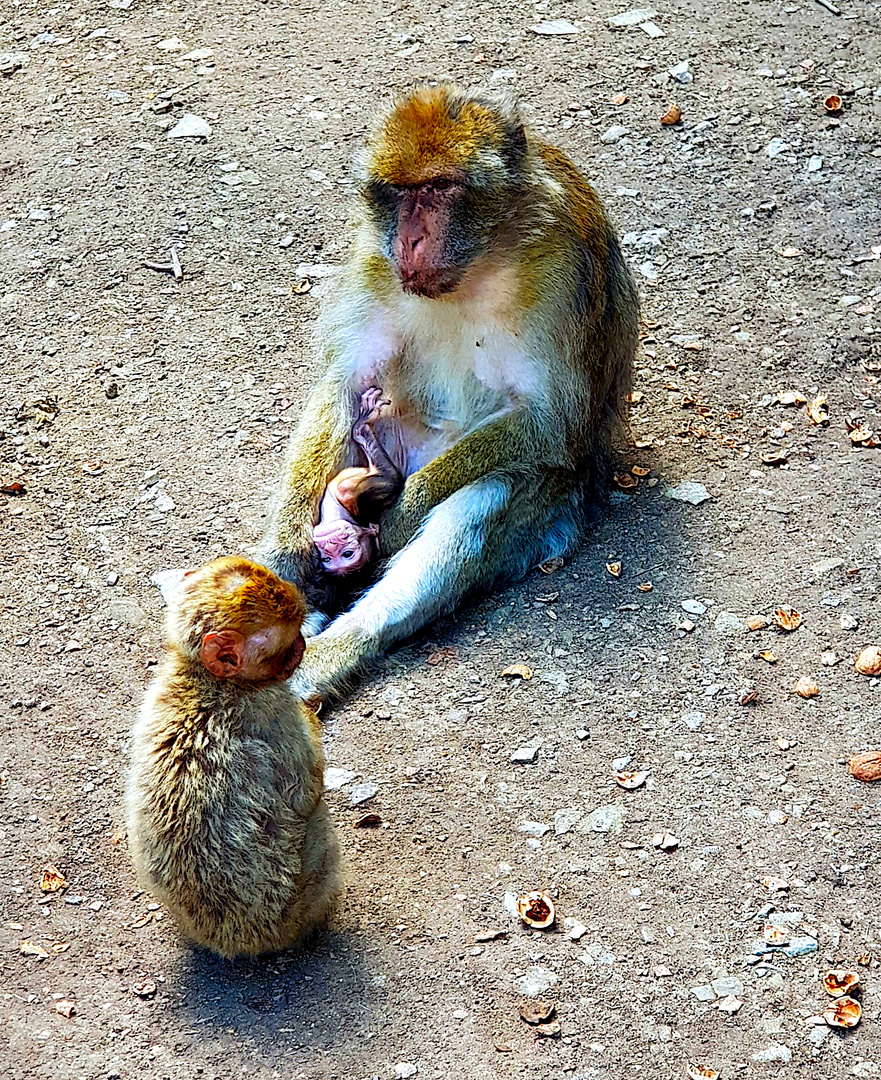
(348, 554)
(442, 183)
(325, 559)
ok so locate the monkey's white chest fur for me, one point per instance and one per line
(456, 362)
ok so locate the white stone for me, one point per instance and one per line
(689, 491)
(633, 17)
(555, 28)
(775, 1052)
(535, 981)
(334, 778)
(614, 133)
(190, 126)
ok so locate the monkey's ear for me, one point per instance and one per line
(223, 653)
(373, 530)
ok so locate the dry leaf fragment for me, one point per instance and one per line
(65, 1008)
(646, 586)
(14, 488)
(756, 622)
(618, 99)
(551, 566)
(368, 821)
(832, 104)
(791, 397)
(614, 569)
(843, 1013)
(748, 695)
(839, 982)
(866, 766)
(626, 482)
(536, 909)
(630, 781)
(775, 884)
(787, 618)
(869, 660)
(33, 948)
(769, 655)
(537, 1012)
(302, 287)
(774, 457)
(817, 412)
(806, 687)
(672, 116)
(490, 935)
(859, 435)
(548, 1031)
(60, 946)
(696, 1071)
(146, 988)
(774, 935)
(517, 671)
(450, 652)
(52, 880)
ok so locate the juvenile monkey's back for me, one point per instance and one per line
(227, 824)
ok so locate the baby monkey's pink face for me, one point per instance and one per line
(343, 546)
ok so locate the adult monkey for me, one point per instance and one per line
(488, 297)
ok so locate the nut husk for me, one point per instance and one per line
(869, 660)
(844, 1013)
(806, 687)
(866, 766)
(832, 104)
(537, 910)
(672, 116)
(787, 618)
(839, 983)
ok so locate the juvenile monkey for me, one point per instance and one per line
(347, 530)
(487, 294)
(226, 821)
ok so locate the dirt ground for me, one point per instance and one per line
(146, 420)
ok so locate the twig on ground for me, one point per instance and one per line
(829, 6)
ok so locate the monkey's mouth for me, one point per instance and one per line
(431, 283)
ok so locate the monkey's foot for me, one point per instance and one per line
(330, 664)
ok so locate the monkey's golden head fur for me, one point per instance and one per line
(231, 593)
(439, 129)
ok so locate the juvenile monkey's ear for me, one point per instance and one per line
(223, 653)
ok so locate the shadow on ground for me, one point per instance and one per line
(280, 1004)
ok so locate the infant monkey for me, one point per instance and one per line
(226, 820)
(355, 499)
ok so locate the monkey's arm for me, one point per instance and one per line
(369, 494)
(509, 443)
(316, 450)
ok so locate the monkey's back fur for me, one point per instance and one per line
(226, 821)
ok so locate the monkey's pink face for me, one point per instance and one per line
(429, 248)
(343, 546)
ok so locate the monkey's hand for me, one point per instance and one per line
(330, 662)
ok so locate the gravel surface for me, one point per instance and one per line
(143, 423)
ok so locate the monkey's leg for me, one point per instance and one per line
(495, 528)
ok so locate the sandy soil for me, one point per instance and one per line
(146, 420)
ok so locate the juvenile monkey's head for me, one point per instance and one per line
(344, 547)
(439, 175)
(240, 620)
